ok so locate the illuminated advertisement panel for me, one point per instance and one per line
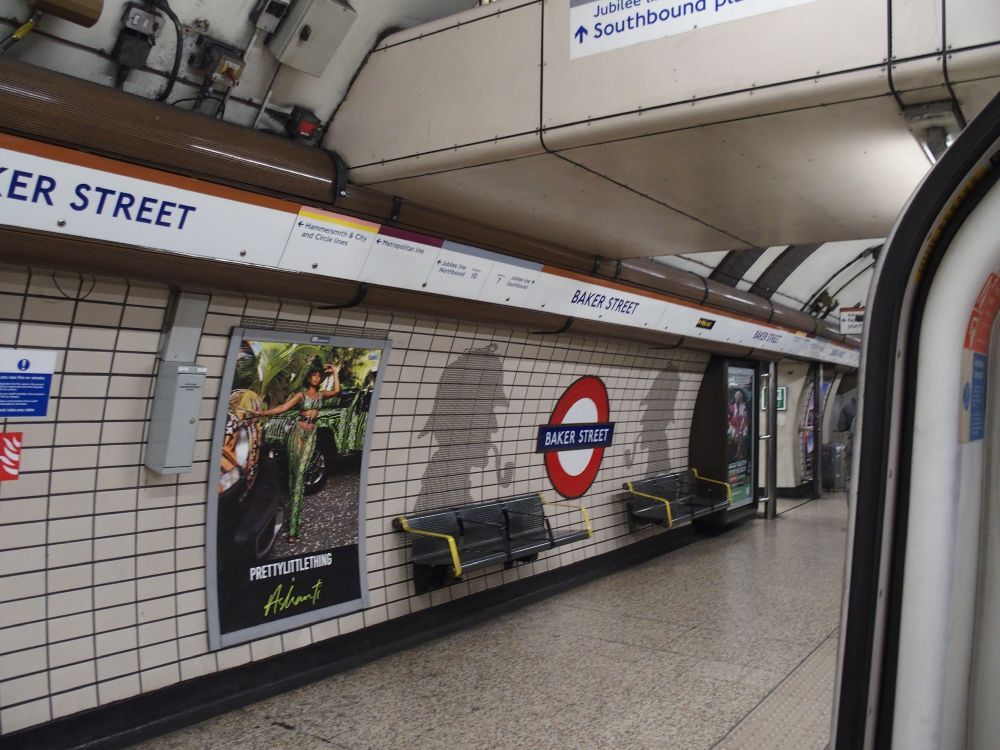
(740, 433)
(286, 512)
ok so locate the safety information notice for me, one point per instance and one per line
(25, 382)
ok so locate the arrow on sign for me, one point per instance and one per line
(580, 34)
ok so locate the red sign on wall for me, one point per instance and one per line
(977, 335)
(576, 435)
(10, 455)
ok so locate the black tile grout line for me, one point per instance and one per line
(781, 682)
(104, 414)
(97, 657)
(48, 500)
(130, 579)
(107, 514)
(124, 303)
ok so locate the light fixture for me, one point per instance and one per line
(935, 125)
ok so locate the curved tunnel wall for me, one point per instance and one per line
(116, 552)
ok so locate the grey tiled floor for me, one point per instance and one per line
(729, 642)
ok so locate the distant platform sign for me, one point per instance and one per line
(852, 320)
(603, 25)
(25, 382)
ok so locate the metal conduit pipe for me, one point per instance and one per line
(57, 108)
(694, 288)
(742, 303)
(44, 105)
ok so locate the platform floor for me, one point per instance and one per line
(729, 642)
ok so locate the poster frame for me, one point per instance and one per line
(752, 413)
(216, 638)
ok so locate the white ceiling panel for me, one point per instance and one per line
(827, 173)
(547, 196)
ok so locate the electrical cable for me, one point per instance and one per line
(164, 6)
(196, 99)
(350, 84)
(20, 32)
(267, 98)
(873, 251)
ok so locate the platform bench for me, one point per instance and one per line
(447, 543)
(674, 499)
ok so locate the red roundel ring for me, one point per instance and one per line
(567, 481)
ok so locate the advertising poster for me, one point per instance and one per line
(286, 523)
(740, 433)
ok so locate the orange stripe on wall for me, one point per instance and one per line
(124, 169)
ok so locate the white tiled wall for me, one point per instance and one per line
(102, 578)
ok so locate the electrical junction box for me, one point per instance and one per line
(310, 33)
(268, 14)
(221, 63)
(173, 425)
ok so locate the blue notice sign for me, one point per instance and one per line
(25, 382)
(977, 398)
(571, 437)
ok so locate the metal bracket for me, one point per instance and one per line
(562, 329)
(397, 208)
(340, 168)
(359, 297)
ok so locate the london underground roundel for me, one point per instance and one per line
(576, 435)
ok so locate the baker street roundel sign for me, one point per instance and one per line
(576, 435)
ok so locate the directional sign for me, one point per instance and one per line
(52, 189)
(330, 244)
(852, 320)
(401, 259)
(460, 271)
(511, 281)
(602, 25)
(576, 435)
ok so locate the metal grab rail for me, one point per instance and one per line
(404, 524)
(729, 487)
(665, 501)
(569, 506)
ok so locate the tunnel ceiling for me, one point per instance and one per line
(739, 135)
(784, 128)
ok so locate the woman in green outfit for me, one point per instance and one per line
(301, 440)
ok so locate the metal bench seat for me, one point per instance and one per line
(445, 544)
(675, 499)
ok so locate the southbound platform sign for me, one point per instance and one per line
(603, 25)
(25, 382)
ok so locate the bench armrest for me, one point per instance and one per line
(729, 488)
(570, 506)
(665, 501)
(403, 523)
